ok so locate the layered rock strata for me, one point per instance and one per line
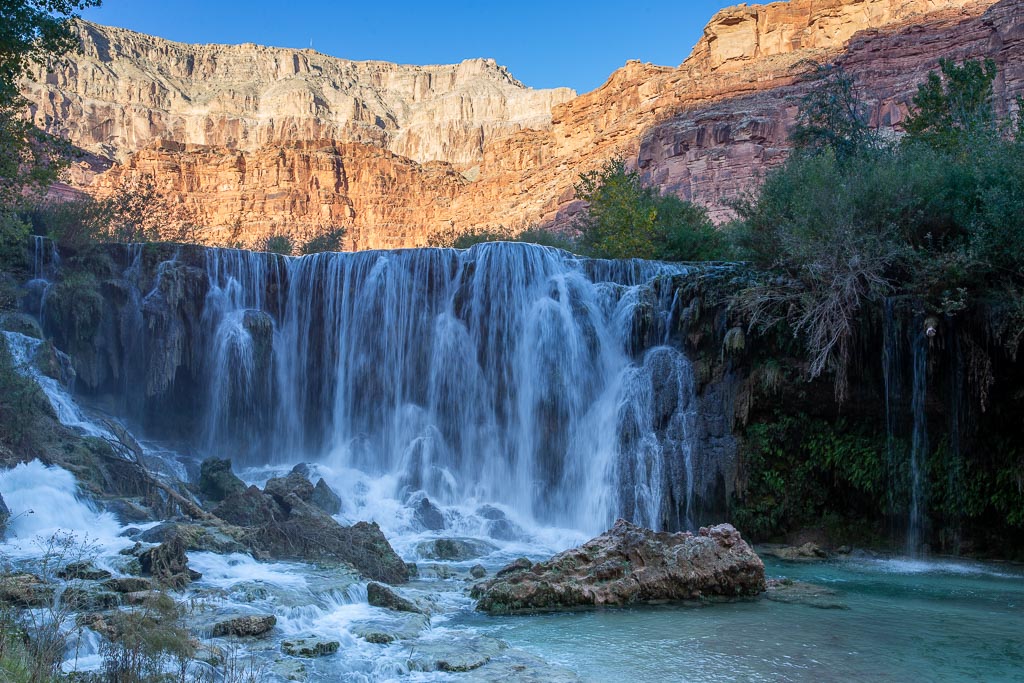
(238, 132)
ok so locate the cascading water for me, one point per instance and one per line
(508, 373)
(919, 442)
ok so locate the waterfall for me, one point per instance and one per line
(507, 373)
(918, 442)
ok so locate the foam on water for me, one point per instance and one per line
(955, 567)
(225, 571)
(44, 502)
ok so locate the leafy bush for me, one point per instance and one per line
(626, 219)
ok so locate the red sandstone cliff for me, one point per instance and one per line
(417, 149)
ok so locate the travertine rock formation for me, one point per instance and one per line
(240, 131)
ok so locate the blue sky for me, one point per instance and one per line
(545, 44)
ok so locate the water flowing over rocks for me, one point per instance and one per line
(629, 565)
(282, 522)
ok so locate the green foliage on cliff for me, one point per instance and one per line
(808, 472)
(626, 219)
(953, 106)
(836, 229)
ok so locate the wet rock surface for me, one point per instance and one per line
(456, 653)
(310, 646)
(252, 626)
(167, 563)
(803, 593)
(628, 565)
(281, 522)
(325, 498)
(217, 481)
(382, 596)
(454, 549)
(24, 590)
(808, 552)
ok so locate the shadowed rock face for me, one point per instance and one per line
(627, 565)
(300, 141)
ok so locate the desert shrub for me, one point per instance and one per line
(276, 243)
(331, 240)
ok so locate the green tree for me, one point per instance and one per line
(627, 219)
(953, 107)
(30, 31)
(832, 116)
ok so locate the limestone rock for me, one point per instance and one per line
(252, 626)
(128, 584)
(382, 596)
(310, 646)
(426, 514)
(280, 523)
(803, 593)
(808, 552)
(454, 549)
(627, 565)
(24, 590)
(325, 498)
(457, 653)
(217, 481)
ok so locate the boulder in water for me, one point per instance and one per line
(426, 514)
(217, 481)
(382, 596)
(498, 526)
(195, 536)
(128, 584)
(802, 593)
(455, 654)
(85, 571)
(280, 523)
(454, 549)
(310, 646)
(252, 626)
(325, 498)
(626, 565)
(24, 590)
(808, 552)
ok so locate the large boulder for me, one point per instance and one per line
(426, 514)
(217, 481)
(280, 522)
(251, 626)
(325, 498)
(626, 565)
(382, 596)
(454, 549)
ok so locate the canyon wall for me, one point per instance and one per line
(291, 140)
